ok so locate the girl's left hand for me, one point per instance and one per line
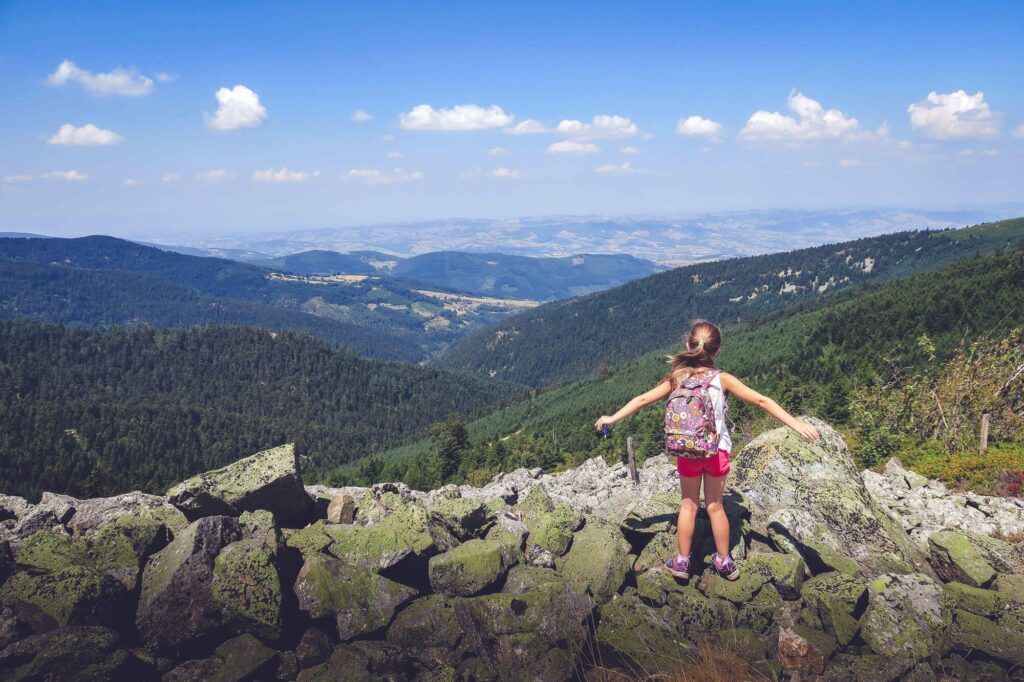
(605, 420)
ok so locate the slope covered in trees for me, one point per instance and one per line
(91, 413)
(811, 361)
(564, 341)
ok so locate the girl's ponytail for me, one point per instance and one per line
(702, 344)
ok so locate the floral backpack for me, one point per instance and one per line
(690, 430)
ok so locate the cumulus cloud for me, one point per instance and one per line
(361, 116)
(461, 117)
(213, 177)
(812, 122)
(503, 173)
(283, 175)
(629, 150)
(698, 126)
(600, 127)
(72, 175)
(120, 81)
(573, 147)
(624, 168)
(170, 177)
(498, 151)
(372, 176)
(85, 136)
(1018, 131)
(953, 115)
(237, 107)
(527, 127)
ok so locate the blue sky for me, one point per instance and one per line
(219, 118)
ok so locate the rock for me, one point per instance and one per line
(456, 520)
(12, 628)
(357, 601)
(402, 533)
(312, 539)
(268, 480)
(176, 603)
(360, 661)
(536, 503)
(261, 526)
(537, 635)
(655, 553)
(865, 667)
(7, 565)
(522, 579)
(74, 595)
(468, 569)
(803, 650)
(238, 659)
(972, 632)
(314, 648)
(762, 612)
(553, 530)
(639, 639)
(429, 632)
(657, 514)
(907, 617)
(785, 571)
(538, 556)
(72, 653)
(833, 603)
(969, 558)
(747, 644)
(598, 561)
(342, 509)
(737, 591)
(96, 513)
(809, 496)
(247, 588)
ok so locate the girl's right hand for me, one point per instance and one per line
(806, 430)
(605, 420)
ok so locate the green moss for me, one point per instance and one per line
(537, 502)
(737, 591)
(973, 632)
(50, 550)
(763, 611)
(639, 638)
(830, 602)
(598, 560)
(74, 595)
(1010, 586)
(553, 530)
(785, 571)
(469, 569)
(246, 584)
(955, 556)
(310, 540)
(980, 602)
(384, 543)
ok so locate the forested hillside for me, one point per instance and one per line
(90, 413)
(811, 361)
(565, 341)
(400, 314)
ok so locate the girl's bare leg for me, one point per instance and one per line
(714, 486)
(690, 489)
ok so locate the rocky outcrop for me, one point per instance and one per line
(532, 576)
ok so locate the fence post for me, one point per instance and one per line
(632, 460)
(983, 439)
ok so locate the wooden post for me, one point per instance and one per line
(983, 439)
(632, 460)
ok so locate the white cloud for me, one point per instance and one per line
(503, 173)
(849, 163)
(166, 77)
(17, 178)
(698, 126)
(904, 144)
(527, 127)
(388, 138)
(573, 147)
(120, 81)
(85, 136)
(361, 116)
(1018, 131)
(238, 107)
(170, 177)
(394, 155)
(371, 176)
(459, 118)
(953, 115)
(812, 122)
(212, 177)
(66, 175)
(990, 152)
(624, 168)
(131, 182)
(498, 151)
(629, 150)
(283, 175)
(600, 127)
(965, 152)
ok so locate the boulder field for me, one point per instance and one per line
(245, 573)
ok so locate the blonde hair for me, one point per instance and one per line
(702, 343)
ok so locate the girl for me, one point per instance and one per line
(698, 361)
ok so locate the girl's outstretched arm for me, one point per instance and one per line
(642, 400)
(749, 395)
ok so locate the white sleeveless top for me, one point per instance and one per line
(718, 403)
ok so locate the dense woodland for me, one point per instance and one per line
(565, 341)
(98, 412)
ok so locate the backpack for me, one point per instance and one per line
(690, 430)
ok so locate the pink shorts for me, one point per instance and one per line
(716, 465)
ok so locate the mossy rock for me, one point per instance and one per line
(833, 602)
(656, 552)
(1010, 586)
(360, 661)
(355, 600)
(956, 558)
(656, 514)
(71, 653)
(385, 543)
(537, 502)
(457, 520)
(76, 595)
(429, 632)
(976, 600)
(238, 659)
(737, 591)
(762, 612)
(468, 569)
(51, 550)
(785, 571)
(747, 644)
(598, 560)
(261, 525)
(640, 639)
(313, 649)
(864, 667)
(656, 585)
(553, 530)
(247, 587)
(697, 614)
(522, 579)
(907, 618)
(309, 540)
(972, 632)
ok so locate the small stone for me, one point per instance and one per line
(342, 509)
(802, 650)
(314, 648)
